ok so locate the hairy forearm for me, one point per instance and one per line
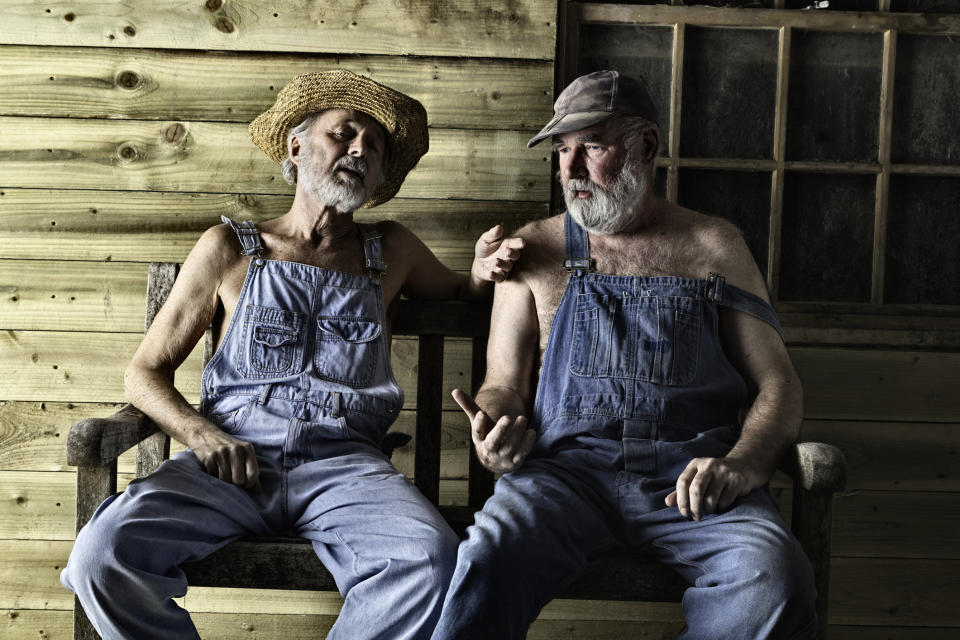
(153, 392)
(501, 400)
(771, 425)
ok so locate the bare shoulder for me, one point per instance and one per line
(722, 249)
(217, 249)
(542, 242)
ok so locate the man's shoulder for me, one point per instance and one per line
(218, 245)
(545, 231)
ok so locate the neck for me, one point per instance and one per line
(315, 221)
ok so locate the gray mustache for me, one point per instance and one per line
(354, 164)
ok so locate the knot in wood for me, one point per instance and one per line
(174, 133)
(129, 30)
(127, 151)
(224, 25)
(128, 80)
(214, 5)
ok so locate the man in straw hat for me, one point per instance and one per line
(660, 338)
(300, 392)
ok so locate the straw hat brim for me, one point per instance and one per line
(403, 118)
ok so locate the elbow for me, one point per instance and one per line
(130, 377)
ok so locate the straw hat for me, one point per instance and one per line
(404, 119)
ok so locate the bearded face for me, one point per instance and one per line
(608, 209)
(343, 186)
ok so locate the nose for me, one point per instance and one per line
(361, 144)
(572, 164)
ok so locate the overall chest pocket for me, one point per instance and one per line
(274, 343)
(645, 338)
(348, 349)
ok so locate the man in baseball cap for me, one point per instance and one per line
(298, 397)
(651, 331)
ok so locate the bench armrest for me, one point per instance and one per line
(96, 442)
(816, 466)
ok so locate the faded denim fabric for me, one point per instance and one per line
(634, 385)
(303, 373)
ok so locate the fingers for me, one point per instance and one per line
(494, 255)
(707, 485)
(252, 469)
(492, 235)
(506, 445)
(234, 462)
(466, 402)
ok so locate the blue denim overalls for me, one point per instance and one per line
(634, 385)
(303, 372)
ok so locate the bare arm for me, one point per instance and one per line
(179, 325)
(429, 279)
(498, 425)
(773, 420)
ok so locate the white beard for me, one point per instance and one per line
(608, 210)
(345, 195)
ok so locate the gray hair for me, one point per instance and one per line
(287, 168)
(631, 127)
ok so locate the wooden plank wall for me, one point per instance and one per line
(124, 138)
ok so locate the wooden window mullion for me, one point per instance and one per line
(779, 155)
(676, 102)
(885, 141)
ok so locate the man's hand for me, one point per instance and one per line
(494, 255)
(709, 485)
(227, 458)
(501, 447)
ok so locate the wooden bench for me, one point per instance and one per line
(93, 446)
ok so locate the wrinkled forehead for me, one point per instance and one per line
(603, 133)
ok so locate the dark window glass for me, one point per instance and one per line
(834, 98)
(923, 255)
(826, 248)
(729, 93)
(926, 125)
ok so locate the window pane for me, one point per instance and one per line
(928, 6)
(926, 128)
(826, 249)
(742, 197)
(923, 256)
(834, 99)
(729, 93)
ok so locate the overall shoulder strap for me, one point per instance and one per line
(578, 246)
(247, 234)
(727, 295)
(372, 251)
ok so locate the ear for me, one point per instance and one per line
(650, 143)
(294, 149)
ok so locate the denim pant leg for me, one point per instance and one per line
(750, 577)
(124, 565)
(390, 551)
(538, 532)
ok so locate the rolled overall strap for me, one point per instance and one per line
(247, 234)
(372, 250)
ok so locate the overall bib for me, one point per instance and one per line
(634, 385)
(303, 373)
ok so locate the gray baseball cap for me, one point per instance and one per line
(594, 97)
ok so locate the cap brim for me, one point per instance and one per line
(569, 122)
